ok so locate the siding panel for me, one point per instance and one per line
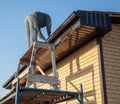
(80, 67)
(111, 52)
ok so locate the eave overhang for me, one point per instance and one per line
(79, 28)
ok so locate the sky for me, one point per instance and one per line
(13, 37)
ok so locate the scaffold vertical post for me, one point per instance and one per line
(31, 66)
(31, 71)
(54, 64)
(81, 94)
(53, 60)
(17, 92)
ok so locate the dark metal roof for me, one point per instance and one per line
(96, 19)
(91, 23)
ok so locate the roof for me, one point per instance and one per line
(79, 28)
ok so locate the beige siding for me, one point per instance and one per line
(111, 49)
(80, 67)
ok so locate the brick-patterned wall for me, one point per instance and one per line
(111, 52)
(80, 67)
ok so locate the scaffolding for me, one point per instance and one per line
(45, 95)
(42, 96)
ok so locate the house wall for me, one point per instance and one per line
(81, 67)
(111, 52)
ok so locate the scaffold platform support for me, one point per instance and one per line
(41, 96)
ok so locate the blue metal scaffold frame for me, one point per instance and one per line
(66, 95)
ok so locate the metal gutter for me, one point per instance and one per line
(7, 84)
(7, 98)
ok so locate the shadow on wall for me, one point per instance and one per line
(86, 78)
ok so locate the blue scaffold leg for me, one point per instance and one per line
(17, 92)
(81, 94)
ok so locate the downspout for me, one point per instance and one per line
(102, 70)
